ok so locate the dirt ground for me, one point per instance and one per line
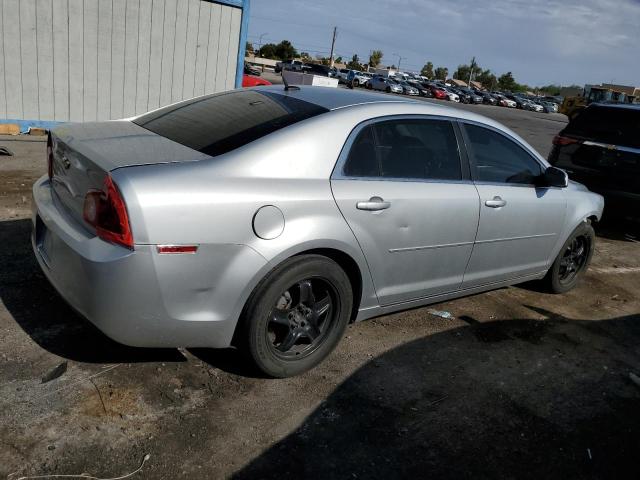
(518, 384)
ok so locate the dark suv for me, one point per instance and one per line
(601, 149)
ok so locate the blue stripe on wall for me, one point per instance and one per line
(244, 32)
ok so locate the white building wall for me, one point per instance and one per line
(86, 60)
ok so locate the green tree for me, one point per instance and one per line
(268, 50)
(462, 73)
(305, 56)
(506, 82)
(338, 59)
(285, 50)
(441, 73)
(486, 78)
(249, 48)
(427, 70)
(355, 64)
(375, 58)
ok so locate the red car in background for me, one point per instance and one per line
(253, 81)
(439, 93)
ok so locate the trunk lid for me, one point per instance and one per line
(83, 155)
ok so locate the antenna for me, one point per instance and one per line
(288, 87)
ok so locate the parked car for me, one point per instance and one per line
(364, 77)
(385, 84)
(549, 107)
(527, 104)
(439, 93)
(487, 98)
(504, 100)
(519, 101)
(359, 77)
(464, 96)
(321, 70)
(451, 96)
(473, 96)
(423, 90)
(251, 70)
(600, 147)
(407, 88)
(535, 106)
(253, 81)
(293, 65)
(229, 218)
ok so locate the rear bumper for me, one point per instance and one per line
(138, 297)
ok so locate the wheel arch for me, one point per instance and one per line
(357, 272)
(350, 267)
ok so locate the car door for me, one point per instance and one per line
(519, 222)
(405, 192)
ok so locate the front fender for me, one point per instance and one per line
(581, 206)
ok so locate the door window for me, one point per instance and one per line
(362, 161)
(421, 149)
(406, 149)
(500, 160)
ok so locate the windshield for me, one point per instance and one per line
(217, 124)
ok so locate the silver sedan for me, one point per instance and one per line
(270, 219)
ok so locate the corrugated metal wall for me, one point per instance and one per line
(85, 60)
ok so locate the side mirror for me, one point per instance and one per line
(554, 177)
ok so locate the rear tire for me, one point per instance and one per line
(296, 315)
(572, 261)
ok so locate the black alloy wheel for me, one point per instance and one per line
(302, 317)
(573, 259)
(296, 315)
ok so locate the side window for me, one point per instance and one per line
(498, 159)
(362, 161)
(420, 149)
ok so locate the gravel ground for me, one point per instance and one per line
(518, 384)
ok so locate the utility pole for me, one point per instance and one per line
(260, 41)
(473, 65)
(400, 58)
(333, 44)
(259, 47)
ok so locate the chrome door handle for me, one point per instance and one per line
(373, 205)
(497, 202)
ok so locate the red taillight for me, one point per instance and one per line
(562, 141)
(49, 156)
(106, 211)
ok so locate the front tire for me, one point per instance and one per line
(296, 315)
(572, 261)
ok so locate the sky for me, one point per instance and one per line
(539, 41)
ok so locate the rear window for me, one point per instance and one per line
(613, 125)
(220, 123)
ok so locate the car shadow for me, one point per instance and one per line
(230, 360)
(47, 318)
(517, 398)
